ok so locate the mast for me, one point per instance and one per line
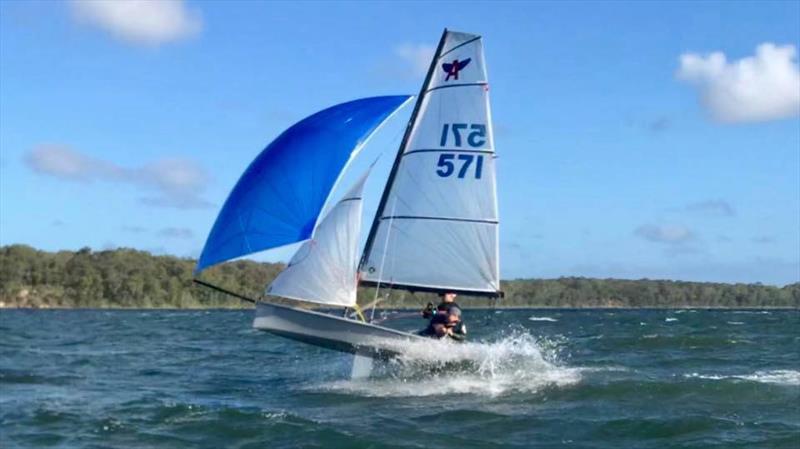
(385, 196)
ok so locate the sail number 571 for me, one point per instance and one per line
(461, 164)
(475, 134)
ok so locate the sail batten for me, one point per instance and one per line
(481, 84)
(420, 288)
(421, 217)
(442, 232)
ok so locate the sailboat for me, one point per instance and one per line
(436, 225)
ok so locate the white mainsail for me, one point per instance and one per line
(437, 224)
(324, 269)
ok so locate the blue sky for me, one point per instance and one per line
(626, 148)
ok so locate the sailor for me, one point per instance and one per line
(436, 328)
(446, 324)
(455, 327)
(448, 300)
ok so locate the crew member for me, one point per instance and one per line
(455, 327)
(446, 324)
(448, 300)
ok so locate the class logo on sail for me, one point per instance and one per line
(452, 68)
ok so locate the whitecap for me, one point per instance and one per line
(779, 377)
(274, 416)
(735, 323)
(543, 318)
(603, 369)
(670, 319)
(704, 376)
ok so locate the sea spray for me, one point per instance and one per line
(517, 362)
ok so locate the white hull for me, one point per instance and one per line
(331, 332)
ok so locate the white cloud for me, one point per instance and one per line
(762, 87)
(769, 271)
(63, 162)
(671, 234)
(177, 201)
(134, 229)
(417, 58)
(660, 124)
(764, 239)
(715, 208)
(173, 175)
(176, 233)
(149, 22)
(178, 182)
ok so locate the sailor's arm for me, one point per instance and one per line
(458, 332)
(427, 312)
(457, 337)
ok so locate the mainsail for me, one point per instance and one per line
(323, 270)
(278, 199)
(436, 227)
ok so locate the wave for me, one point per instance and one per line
(542, 318)
(515, 363)
(779, 377)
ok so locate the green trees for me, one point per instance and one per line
(128, 278)
(118, 278)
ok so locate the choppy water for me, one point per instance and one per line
(536, 378)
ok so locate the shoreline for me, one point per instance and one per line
(131, 279)
(411, 309)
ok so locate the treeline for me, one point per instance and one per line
(127, 278)
(124, 278)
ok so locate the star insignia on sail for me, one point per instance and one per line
(452, 68)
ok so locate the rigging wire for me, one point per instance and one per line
(383, 261)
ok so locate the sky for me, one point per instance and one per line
(635, 139)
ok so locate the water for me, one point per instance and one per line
(539, 378)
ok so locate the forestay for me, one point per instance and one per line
(324, 269)
(436, 227)
(278, 199)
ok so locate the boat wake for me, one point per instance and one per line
(515, 363)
